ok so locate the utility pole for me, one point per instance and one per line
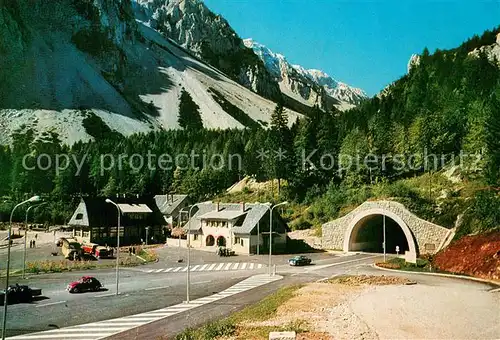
(258, 238)
(384, 239)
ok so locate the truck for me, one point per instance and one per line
(98, 251)
(71, 249)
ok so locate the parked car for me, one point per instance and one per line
(19, 294)
(299, 260)
(85, 284)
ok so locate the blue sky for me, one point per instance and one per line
(366, 44)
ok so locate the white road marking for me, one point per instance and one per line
(251, 265)
(236, 266)
(244, 266)
(339, 263)
(159, 270)
(219, 266)
(259, 265)
(228, 266)
(184, 269)
(154, 288)
(50, 304)
(168, 269)
(212, 266)
(199, 283)
(203, 267)
(107, 294)
(196, 267)
(177, 269)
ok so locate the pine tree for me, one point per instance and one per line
(189, 114)
(280, 147)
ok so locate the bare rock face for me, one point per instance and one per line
(209, 37)
(413, 62)
(308, 86)
(492, 51)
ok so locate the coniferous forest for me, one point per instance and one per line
(448, 104)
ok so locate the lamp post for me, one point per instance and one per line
(26, 235)
(117, 243)
(383, 228)
(271, 233)
(188, 274)
(179, 223)
(5, 302)
(258, 238)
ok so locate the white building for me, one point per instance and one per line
(241, 227)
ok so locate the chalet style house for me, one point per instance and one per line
(95, 221)
(241, 227)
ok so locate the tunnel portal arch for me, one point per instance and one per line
(359, 221)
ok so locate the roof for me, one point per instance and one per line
(222, 215)
(169, 204)
(254, 214)
(134, 208)
(96, 212)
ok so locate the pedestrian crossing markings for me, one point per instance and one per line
(208, 267)
(103, 329)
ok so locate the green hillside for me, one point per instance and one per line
(444, 114)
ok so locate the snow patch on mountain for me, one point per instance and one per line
(130, 77)
(309, 86)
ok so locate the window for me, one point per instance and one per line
(237, 240)
(79, 217)
(86, 234)
(195, 237)
(241, 241)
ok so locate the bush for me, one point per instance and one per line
(187, 334)
(218, 329)
(300, 224)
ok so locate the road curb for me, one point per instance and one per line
(441, 274)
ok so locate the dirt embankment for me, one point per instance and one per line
(477, 255)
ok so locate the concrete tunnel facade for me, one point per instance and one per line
(362, 230)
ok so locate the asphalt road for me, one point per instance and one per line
(141, 292)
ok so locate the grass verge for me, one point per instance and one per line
(235, 325)
(422, 265)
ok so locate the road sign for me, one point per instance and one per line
(397, 250)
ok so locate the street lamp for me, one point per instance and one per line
(271, 233)
(179, 223)
(5, 302)
(188, 274)
(117, 242)
(383, 230)
(26, 234)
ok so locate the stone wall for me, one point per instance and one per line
(428, 237)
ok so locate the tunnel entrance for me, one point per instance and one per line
(367, 235)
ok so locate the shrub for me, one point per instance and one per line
(300, 224)
(187, 334)
(217, 329)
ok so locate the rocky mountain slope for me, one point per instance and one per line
(209, 36)
(72, 67)
(310, 87)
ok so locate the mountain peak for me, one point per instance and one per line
(304, 84)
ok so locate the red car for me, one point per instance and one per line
(85, 284)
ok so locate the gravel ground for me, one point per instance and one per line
(384, 307)
(430, 312)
